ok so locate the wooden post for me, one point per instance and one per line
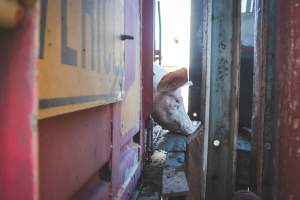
(224, 51)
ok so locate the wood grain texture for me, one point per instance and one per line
(224, 101)
(196, 174)
(174, 183)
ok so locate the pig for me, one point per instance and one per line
(168, 108)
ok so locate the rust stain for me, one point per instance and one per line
(288, 98)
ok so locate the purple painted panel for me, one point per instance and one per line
(129, 161)
(131, 53)
(125, 192)
(73, 147)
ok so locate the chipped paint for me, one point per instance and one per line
(33, 122)
(19, 144)
(296, 123)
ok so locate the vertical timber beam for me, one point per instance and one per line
(205, 93)
(196, 70)
(224, 94)
(267, 192)
(199, 93)
(258, 94)
(263, 99)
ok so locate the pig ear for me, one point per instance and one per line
(173, 80)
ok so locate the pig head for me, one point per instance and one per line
(168, 107)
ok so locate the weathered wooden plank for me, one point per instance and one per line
(152, 172)
(195, 170)
(245, 195)
(175, 160)
(268, 192)
(205, 92)
(264, 106)
(258, 96)
(174, 183)
(149, 196)
(196, 60)
(224, 49)
(169, 141)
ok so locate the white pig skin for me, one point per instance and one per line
(168, 108)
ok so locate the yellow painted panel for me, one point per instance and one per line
(81, 56)
(131, 106)
(130, 114)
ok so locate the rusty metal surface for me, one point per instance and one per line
(18, 133)
(288, 99)
(147, 56)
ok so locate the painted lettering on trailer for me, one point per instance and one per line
(81, 56)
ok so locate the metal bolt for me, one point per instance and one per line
(268, 145)
(216, 143)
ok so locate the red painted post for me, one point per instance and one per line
(18, 102)
(147, 52)
(288, 100)
(147, 56)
